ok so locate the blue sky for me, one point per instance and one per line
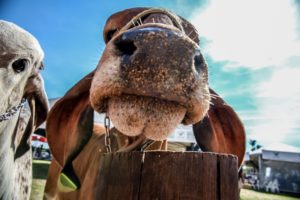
(252, 48)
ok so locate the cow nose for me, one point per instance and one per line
(125, 45)
(199, 61)
(154, 48)
(151, 43)
(157, 61)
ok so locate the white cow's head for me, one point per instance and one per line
(20, 63)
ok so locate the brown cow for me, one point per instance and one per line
(152, 76)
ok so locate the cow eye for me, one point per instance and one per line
(20, 65)
(42, 66)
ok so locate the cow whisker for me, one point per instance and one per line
(174, 18)
(214, 96)
(190, 33)
(133, 23)
(138, 23)
(194, 37)
(140, 20)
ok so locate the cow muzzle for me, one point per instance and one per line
(151, 77)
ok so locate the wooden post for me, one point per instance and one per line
(162, 175)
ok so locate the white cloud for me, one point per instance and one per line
(278, 100)
(282, 84)
(251, 33)
(258, 34)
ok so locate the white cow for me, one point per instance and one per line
(20, 62)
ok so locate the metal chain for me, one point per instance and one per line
(12, 111)
(107, 134)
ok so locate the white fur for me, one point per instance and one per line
(15, 43)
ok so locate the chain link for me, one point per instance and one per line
(107, 134)
(12, 111)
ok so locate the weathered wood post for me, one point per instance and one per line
(168, 176)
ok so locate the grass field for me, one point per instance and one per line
(37, 189)
(254, 195)
(40, 171)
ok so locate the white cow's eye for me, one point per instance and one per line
(20, 65)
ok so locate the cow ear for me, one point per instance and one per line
(37, 99)
(221, 130)
(70, 122)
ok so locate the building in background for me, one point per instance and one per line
(275, 168)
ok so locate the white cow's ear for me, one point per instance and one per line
(221, 130)
(37, 99)
(38, 103)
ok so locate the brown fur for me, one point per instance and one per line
(86, 164)
(151, 75)
(221, 130)
(130, 87)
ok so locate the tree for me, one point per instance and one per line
(254, 145)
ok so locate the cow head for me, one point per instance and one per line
(20, 62)
(151, 77)
(20, 81)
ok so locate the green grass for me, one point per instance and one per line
(40, 171)
(37, 189)
(254, 195)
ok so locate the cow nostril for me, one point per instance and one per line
(126, 47)
(198, 61)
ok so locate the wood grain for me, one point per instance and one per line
(162, 175)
